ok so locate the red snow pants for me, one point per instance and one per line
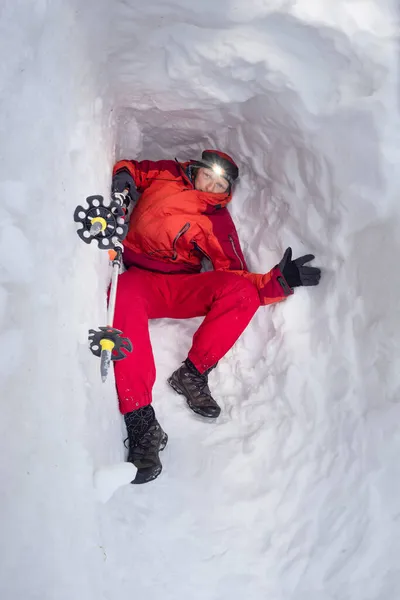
(227, 301)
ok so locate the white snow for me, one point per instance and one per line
(293, 493)
(108, 479)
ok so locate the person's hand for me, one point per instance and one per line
(294, 271)
(121, 181)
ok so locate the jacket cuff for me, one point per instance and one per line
(285, 287)
(275, 289)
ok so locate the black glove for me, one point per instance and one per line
(294, 271)
(123, 180)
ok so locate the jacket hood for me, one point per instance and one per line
(215, 200)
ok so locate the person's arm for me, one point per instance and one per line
(137, 175)
(222, 248)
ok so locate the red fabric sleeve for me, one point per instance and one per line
(145, 171)
(272, 286)
(223, 250)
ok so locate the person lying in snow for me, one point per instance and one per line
(181, 218)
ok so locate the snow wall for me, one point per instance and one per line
(293, 493)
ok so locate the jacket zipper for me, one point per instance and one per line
(197, 247)
(176, 238)
(180, 233)
(235, 251)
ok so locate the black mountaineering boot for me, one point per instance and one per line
(194, 386)
(145, 440)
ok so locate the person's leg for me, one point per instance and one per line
(234, 304)
(139, 296)
(229, 302)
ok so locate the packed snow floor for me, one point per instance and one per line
(293, 494)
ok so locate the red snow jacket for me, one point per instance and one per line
(174, 226)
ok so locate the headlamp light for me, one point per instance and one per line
(218, 170)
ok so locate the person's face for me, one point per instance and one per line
(208, 181)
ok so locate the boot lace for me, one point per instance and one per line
(199, 383)
(146, 441)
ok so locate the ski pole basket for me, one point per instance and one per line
(105, 224)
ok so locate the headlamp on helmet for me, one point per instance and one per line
(218, 170)
(222, 164)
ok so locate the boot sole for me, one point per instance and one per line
(195, 409)
(139, 479)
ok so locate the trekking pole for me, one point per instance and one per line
(107, 225)
(111, 337)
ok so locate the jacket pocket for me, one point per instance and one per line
(172, 254)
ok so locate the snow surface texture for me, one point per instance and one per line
(293, 493)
